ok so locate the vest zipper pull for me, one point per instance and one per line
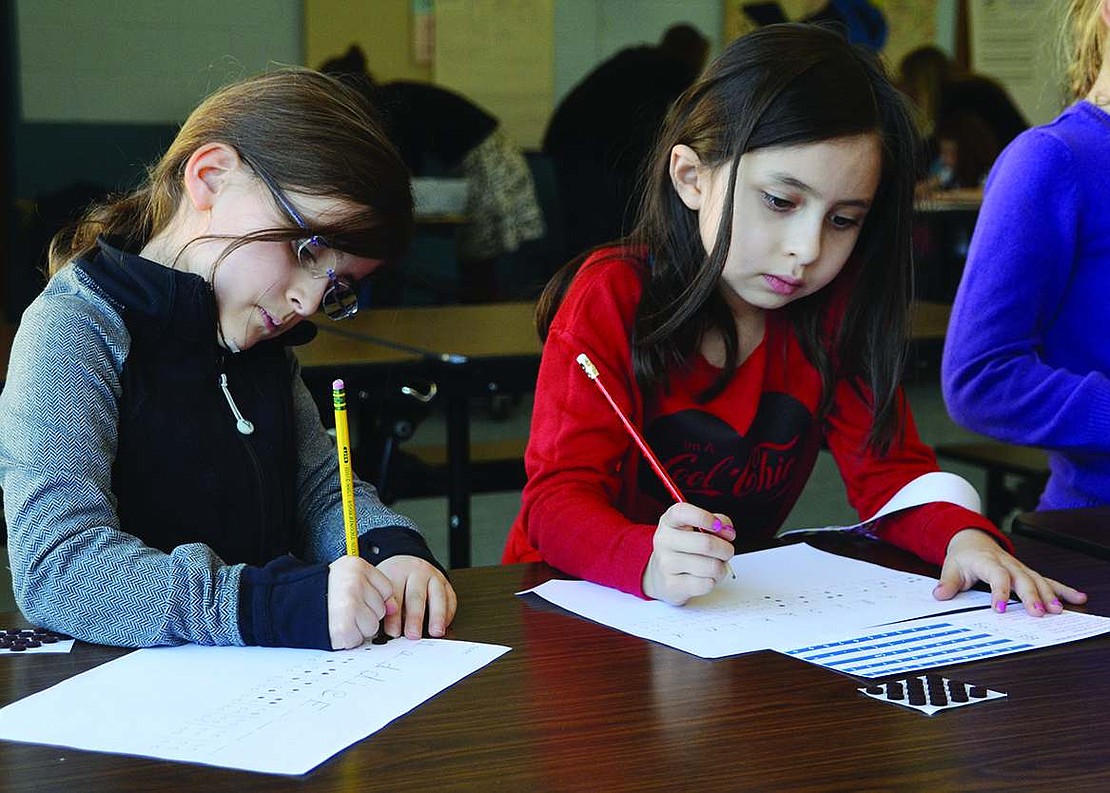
(245, 427)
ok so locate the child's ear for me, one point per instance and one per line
(687, 176)
(206, 173)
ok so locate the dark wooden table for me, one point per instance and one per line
(1085, 530)
(468, 351)
(963, 199)
(949, 218)
(577, 706)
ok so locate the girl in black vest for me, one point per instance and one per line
(166, 476)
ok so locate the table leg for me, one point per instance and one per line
(458, 479)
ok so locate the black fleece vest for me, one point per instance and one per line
(183, 473)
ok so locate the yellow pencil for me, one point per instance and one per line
(346, 477)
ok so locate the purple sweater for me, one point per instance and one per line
(1027, 357)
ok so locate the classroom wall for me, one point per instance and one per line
(1017, 43)
(143, 62)
(102, 86)
(97, 71)
(947, 11)
(589, 31)
(585, 32)
(384, 28)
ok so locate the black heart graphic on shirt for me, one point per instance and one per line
(754, 478)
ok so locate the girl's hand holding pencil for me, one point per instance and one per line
(690, 554)
(690, 543)
(399, 594)
(360, 598)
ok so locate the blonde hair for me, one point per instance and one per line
(1084, 39)
(306, 131)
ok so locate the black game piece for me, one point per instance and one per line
(957, 691)
(915, 691)
(937, 693)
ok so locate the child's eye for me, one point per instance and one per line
(306, 252)
(842, 222)
(775, 203)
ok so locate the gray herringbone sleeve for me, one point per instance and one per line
(73, 570)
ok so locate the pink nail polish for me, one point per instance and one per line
(1000, 607)
(718, 527)
(1038, 606)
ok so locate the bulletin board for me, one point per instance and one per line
(1015, 42)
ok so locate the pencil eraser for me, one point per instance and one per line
(587, 365)
(337, 385)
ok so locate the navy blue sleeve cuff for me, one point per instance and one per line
(285, 604)
(377, 545)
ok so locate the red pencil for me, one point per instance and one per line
(591, 372)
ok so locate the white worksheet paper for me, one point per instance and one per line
(942, 641)
(779, 598)
(264, 709)
(926, 489)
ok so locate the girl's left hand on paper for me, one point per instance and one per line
(974, 556)
(691, 550)
(420, 588)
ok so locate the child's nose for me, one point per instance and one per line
(306, 293)
(804, 244)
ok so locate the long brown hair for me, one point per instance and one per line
(781, 85)
(308, 132)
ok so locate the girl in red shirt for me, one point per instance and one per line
(757, 311)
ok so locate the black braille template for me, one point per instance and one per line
(929, 693)
(18, 640)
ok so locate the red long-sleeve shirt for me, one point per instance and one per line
(591, 504)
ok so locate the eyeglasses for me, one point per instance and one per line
(316, 256)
